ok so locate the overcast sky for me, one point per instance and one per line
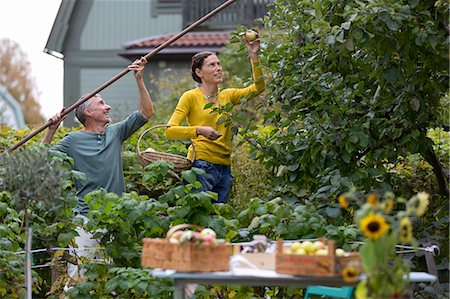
(28, 23)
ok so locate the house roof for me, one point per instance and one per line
(190, 43)
(59, 30)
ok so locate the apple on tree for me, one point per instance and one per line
(251, 35)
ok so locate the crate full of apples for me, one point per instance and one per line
(187, 248)
(313, 258)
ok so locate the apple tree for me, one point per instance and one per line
(353, 86)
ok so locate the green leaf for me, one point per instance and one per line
(66, 238)
(190, 177)
(391, 74)
(349, 44)
(346, 25)
(353, 139)
(254, 224)
(222, 120)
(357, 33)
(209, 105)
(415, 104)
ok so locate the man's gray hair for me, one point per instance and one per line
(79, 111)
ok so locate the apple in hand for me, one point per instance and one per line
(251, 35)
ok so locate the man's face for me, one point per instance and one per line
(98, 110)
(211, 71)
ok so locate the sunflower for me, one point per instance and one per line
(232, 294)
(350, 274)
(388, 205)
(423, 198)
(405, 231)
(343, 201)
(372, 199)
(374, 226)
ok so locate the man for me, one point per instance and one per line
(97, 149)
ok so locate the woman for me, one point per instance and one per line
(212, 141)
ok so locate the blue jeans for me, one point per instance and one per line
(218, 179)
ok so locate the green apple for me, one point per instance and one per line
(339, 252)
(300, 251)
(308, 246)
(186, 236)
(321, 252)
(295, 246)
(207, 232)
(318, 245)
(177, 235)
(174, 241)
(250, 35)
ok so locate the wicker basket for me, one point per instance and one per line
(313, 265)
(186, 257)
(149, 155)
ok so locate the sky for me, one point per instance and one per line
(28, 23)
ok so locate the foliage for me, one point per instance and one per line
(354, 91)
(251, 179)
(47, 183)
(121, 282)
(287, 219)
(15, 76)
(12, 278)
(354, 85)
(32, 177)
(169, 88)
(11, 136)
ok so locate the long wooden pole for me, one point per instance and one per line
(125, 71)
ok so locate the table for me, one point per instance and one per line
(252, 277)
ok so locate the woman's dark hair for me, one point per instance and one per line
(197, 62)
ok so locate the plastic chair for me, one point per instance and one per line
(335, 292)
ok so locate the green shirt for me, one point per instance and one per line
(99, 156)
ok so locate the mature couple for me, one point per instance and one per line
(96, 150)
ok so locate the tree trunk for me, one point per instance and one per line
(442, 180)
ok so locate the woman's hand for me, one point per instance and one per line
(253, 47)
(208, 132)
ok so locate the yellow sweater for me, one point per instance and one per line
(191, 107)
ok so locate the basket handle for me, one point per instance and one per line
(175, 228)
(138, 150)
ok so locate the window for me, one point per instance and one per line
(160, 7)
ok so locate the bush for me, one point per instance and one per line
(251, 179)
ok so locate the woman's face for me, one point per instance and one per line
(211, 70)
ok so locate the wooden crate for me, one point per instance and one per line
(312, 265)
(261, 260)
(186, 257)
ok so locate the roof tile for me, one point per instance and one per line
(190, 39)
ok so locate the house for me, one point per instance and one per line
(10, 111)
(97, 39)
